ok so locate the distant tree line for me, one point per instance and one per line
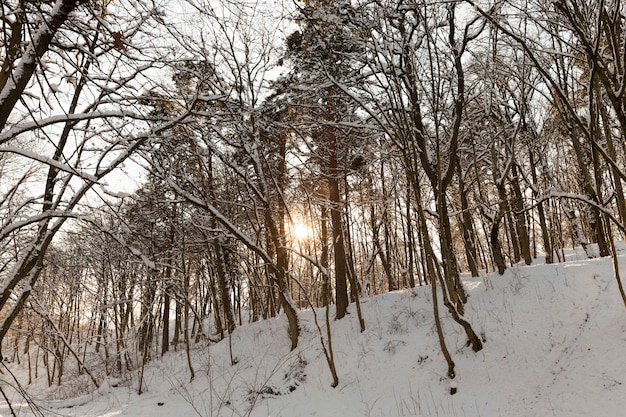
(408, 142)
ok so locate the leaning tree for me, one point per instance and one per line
(71, 76)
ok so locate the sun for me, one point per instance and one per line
(301, 230)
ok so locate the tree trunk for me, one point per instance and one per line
(341, 281)
(324, 257)
(467, 228)
(410, 242)
(433, 272)
(280, 275)
(165, 340)
(545, 234)
(452, 279)
(391, 284)
(595, 219)
(496, 248)
(519, 216)
(617, 179)
(13, 81)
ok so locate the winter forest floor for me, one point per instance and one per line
(555, 345)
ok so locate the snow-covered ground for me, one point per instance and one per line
(555, 345)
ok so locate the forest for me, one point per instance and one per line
(173, 170)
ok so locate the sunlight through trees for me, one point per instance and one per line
(303, 156)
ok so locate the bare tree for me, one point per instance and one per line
(222, 86)
(70, 115)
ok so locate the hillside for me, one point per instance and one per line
(555, 337)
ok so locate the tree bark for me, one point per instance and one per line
(467, 228)
(519, 216)
(341, 281)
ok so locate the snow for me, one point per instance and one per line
(555, 337)
(47, 161)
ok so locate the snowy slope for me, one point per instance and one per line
(555, 346)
